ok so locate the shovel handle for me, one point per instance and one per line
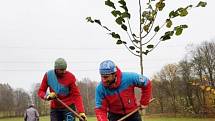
(70, 109)
(134, 111)
(126, 116)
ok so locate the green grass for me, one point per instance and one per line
(46, 118)
(178, 119)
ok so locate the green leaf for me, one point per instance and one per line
(157, 28)
(89, 19)
(173, 14)
(120, 20)
(106, 28)
(115, 35)
(124, 42)
(165, 37)
(123, 26)
(125, 15)
(145, 13)
(116, 12)
(119, 42)
(178, 31)
(154, 12)
(189, 6)
(136, 41)
(160, 5)
(150, 46)
(201, 4)
(132, 47)
(146, 28)
(134, 35)
(97, 21)
(146, 52)
(169, 33)
(179, 9)
(110, 4)
(142, 20)
(168, 23)
(122, 2)
(183, 12)
(150, 17)
(184, 26)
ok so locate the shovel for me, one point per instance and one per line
(70, 109)
(134, 111)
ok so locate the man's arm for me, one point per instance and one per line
(43, 87)
(101, 114)
(146, 88)
(101, 106)
(146, 93)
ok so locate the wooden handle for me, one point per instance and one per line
(70, 109)
(126, 116)
(134, 111)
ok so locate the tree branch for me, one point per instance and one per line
(131, 51)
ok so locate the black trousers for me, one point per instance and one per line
(62, 114)
(134, 117)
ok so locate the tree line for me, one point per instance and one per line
(185, 88)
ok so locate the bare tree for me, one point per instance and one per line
(169, 77)
(21, 101)
(87, 88)
(7, 104)
(186, 72)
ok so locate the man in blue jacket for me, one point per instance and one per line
(115, 95)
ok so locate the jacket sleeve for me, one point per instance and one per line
(146, 93)
(101, 114)
(146, 88)
(101, 106)
(43, 87)
(76, 96)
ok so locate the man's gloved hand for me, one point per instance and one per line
(143, 109)
(51, 96)
(83, 116)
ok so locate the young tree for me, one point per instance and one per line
(143, 42)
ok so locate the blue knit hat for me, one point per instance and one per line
(107, 67)
(60, 63)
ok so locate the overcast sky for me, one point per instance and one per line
(33, 33)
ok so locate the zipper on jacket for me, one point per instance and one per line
(123, 106)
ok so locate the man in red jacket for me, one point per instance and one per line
(115, 95)
(61, 84)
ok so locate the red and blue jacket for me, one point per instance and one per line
(119, 98)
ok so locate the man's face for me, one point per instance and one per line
(60, 72)
(109, 78)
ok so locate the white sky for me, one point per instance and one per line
(33, 33)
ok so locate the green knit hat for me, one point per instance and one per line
(60, 63)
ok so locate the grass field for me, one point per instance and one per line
(145, 119)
